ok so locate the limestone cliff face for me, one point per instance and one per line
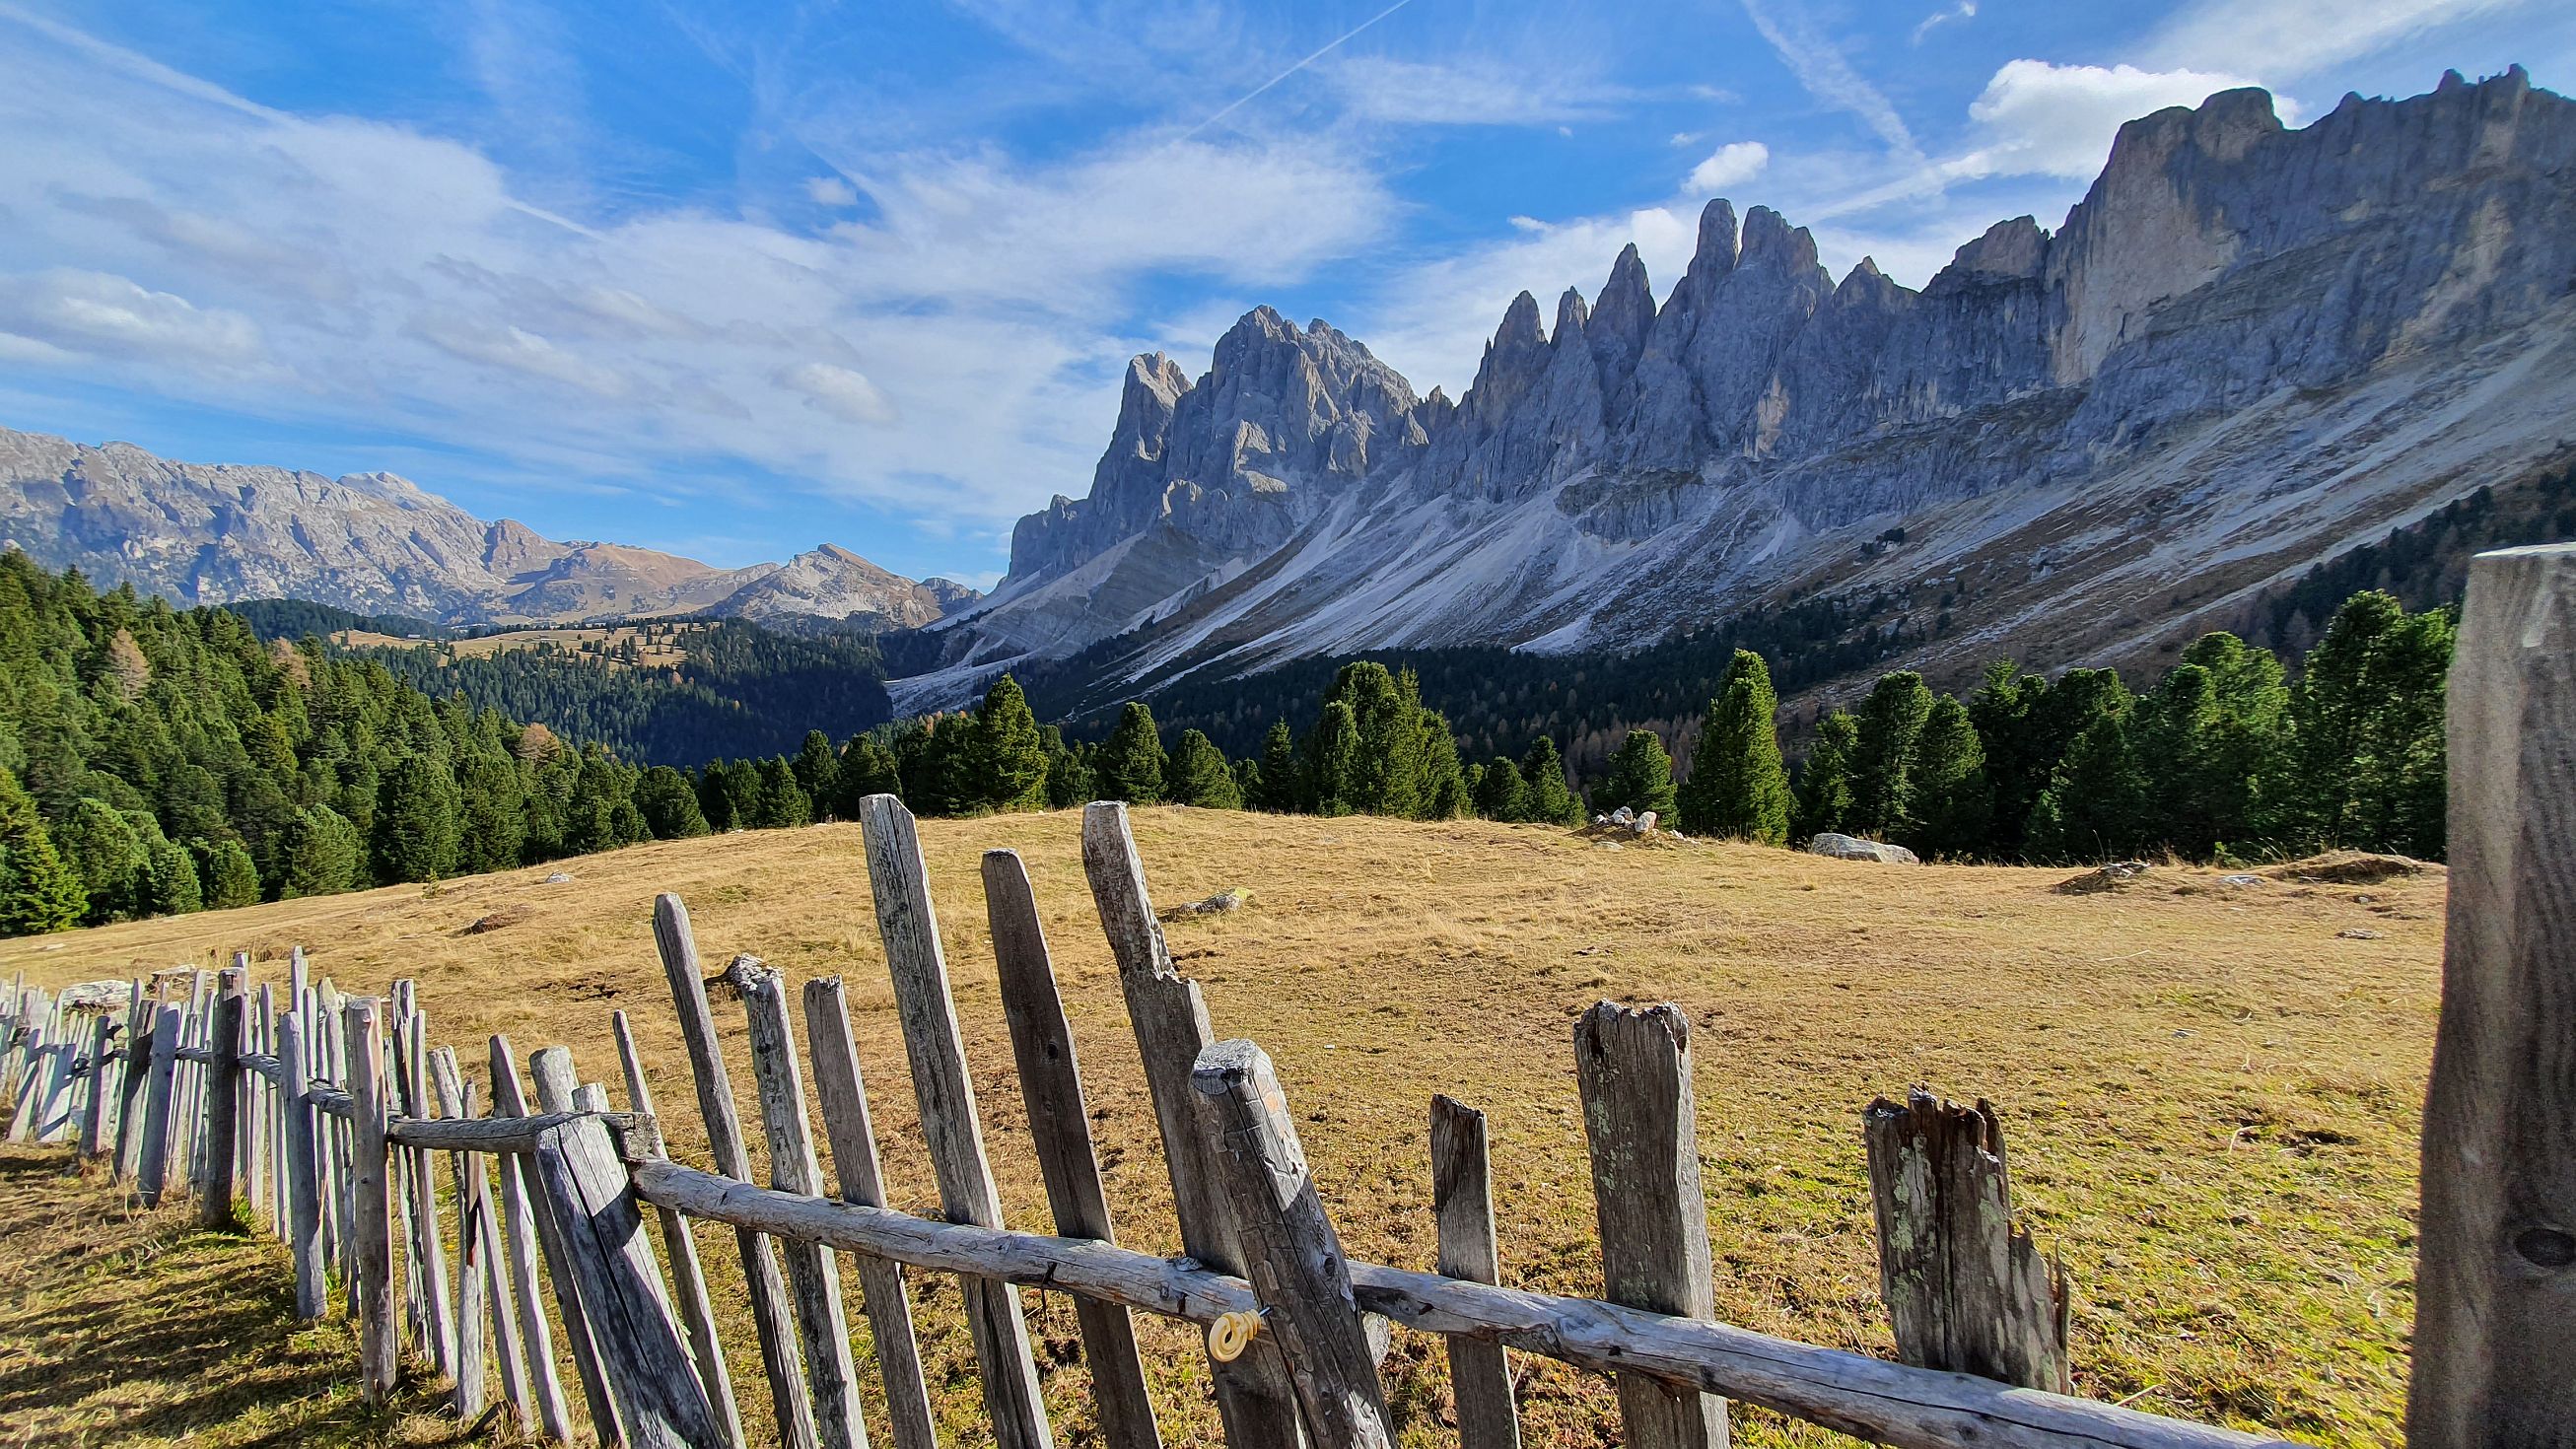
(377, 543)
(2223, 272)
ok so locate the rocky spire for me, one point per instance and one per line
(1620, 319)
(1513, 361)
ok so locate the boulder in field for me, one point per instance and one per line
(1852, 847)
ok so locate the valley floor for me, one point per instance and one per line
(2211, 1093)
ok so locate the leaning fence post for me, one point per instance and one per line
(523, 1240)
(221, 1137)
(767, 1287)
(1051, 1087)
(1642, 1123)
(1462, 1203)
(1170, 1021)
(909, 928)
(551, 1069)
(688, 1279)
(2495, 1347)
(659, 1402)
(372, 1194)
(1966, 1288)
(1291, 1254)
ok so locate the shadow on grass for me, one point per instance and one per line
(121, 1325)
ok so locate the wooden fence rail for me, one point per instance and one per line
(325, 1117)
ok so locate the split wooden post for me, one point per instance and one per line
(841, 1096)
(1966, 1288)
(659, 1402)
(152, 1166)
(551, 1069)
(767, 1288)
(1292, 1256)
(1641, 1119)
(303, 1189)
(900, 881)
(813, 1279)
(1253, 1395)
(140, 1012)
(1051, 1085)
(270, 1123)
(222, 1132)
(475, 1273)
(331, 1134)
(371, 1196)
(1462, 1203)
(428, 1241)
(688, 1279)
(95, 1100)
(522, 1241)
(2495, 1347)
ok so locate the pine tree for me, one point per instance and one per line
(1010, 759)
(1200, 776)
(1247, 781)
(2091, 810)
(867, 768)
(171, 886)
(818, 772)
(2363, 758)
(492, 800)
(1332, 765)
(38, 892)
(104, 850)
(416, 824)
(1824, 796)
(1952, 805)
(1501, 794)
(783, 803)
(1550, 800)
(1131, 761)
(1640, 777)
(669, 806)
(1883, 761)
(1444, 783)
(1737, 785)
(1070, 782)
(1279, 774)
(324, 854)
(230, 878)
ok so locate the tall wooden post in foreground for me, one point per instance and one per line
(2495, 1344)
(223, 1105)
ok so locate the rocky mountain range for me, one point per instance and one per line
(2247, 349)
(380, 544)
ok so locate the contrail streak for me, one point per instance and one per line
(1254, 94)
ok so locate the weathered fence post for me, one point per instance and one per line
(1291, 1254)
(152, 1170)
(1966, 1288)
(221, 1137)
(139, 1014)
(1642, 1122)
(371, 1193)
(551, 1069)
(659, 1402)
(95, 1100)
(1170, 1020)
(303, 1190)
(1462, 1203)
(813, 1277)
(429, 1238)
(523, 1241)
(688, 1280)
(1051, 1086)
(841, 1095)
(483, 1310)
(767, 1287)
(2495, 1344)
(940, 1084)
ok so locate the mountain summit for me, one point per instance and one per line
(2246, 349)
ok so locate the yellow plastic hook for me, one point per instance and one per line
(1231, 1334)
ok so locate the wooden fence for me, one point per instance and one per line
(326, 1118)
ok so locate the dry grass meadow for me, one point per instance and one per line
(2211, 1095)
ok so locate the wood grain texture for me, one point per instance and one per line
(1462, 1207)
(132, 1085)
(1641, 1122)
(772, 1319)
(557, 1084)
(841, 1096)
(1966, 1287)
(1292, 1256)
(371, 1199)
(152, 1155)
(1170, 1021)
(688, 1277)
(813, 1277)
(475, 1241)
(1060, 1129)
(429, 1235)
(909, 928)
(220, 1176)
(2495, 1343)
(530, 1238)
(660, 1404)
(303, 1184)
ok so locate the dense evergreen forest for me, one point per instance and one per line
(154, 760)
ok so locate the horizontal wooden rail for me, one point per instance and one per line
(505, 1134)
(1888, 1403)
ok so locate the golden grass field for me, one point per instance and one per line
(2210, 1095)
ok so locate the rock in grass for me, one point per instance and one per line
(2102, 878)
(1852, 847)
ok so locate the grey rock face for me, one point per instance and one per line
(1852, 847)
(2251, 289)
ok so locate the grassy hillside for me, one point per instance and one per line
(2211, 1093)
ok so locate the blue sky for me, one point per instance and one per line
(732, 279)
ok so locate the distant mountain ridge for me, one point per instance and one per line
(379, 543)
(2245, 350)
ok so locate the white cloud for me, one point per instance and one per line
(1482, 91)
(2059, 120)
(1732, 164)
(831, 191)
(1964, 10)
(2287, 39)
(106, 316)
(837, 390)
